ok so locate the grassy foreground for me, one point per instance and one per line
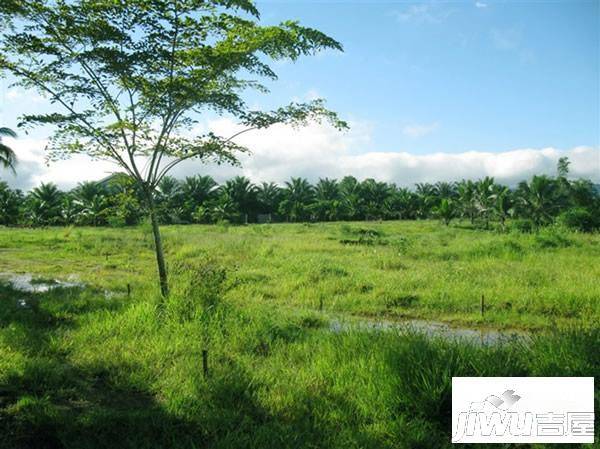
(80, 368)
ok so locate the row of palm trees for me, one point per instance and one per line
(199, 199)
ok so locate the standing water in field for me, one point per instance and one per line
(431, 328)
(27, 283)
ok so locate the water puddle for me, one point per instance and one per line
(29, 284)
(432, 328)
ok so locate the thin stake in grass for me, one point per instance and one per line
(482, 305)
(205, 363)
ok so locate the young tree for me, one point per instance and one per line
(445, 211)
(467, 199)
(131, 77)
(501, 204)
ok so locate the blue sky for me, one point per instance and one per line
(433, 90)
(460, 75)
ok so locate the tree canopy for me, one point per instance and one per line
(132, 77)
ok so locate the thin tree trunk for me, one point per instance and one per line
(158, 248)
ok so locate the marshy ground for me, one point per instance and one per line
(85, 364)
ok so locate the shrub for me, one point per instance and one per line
(198, 287)
(522, 225)
(552, 237)
(577, 219)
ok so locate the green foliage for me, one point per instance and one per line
(445, 211)
(553, 237)
(198, 288)
(578, 219)
(8, 159)
(523, 225)
(44, 205)
(130, 77)
(10, 203)
(89, 369)
(98, 372)
(118, 201)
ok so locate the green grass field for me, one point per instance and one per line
(392, 269)
(94, 367)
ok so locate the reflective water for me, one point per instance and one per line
(432, 328)
(30, 284)
(27, 283)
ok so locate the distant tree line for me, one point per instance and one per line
(117, 201)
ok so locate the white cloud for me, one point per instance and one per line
(32, 168)
(419, 130)
(422, 13)
(320, 151)
(481, 5)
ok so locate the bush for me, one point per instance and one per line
(198, 288)
(577, 219)
(522, 225)
(552, 237)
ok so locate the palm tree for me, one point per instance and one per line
(8, 159)
(91, 200)
(484, 202)
(169, 200)
(70, 210)
(268, 196)
(353, 203)
(169, 188)
(298, 196)
(224, 209)
(242, 193)
(427, 195)
(374, 194)
(406, 203)
(197, 191)
(329, 203)
(445, 189)
(501, 206)
(539, 199)
(445, 210)
(44, 205)
(582, 193)
(466, 199)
